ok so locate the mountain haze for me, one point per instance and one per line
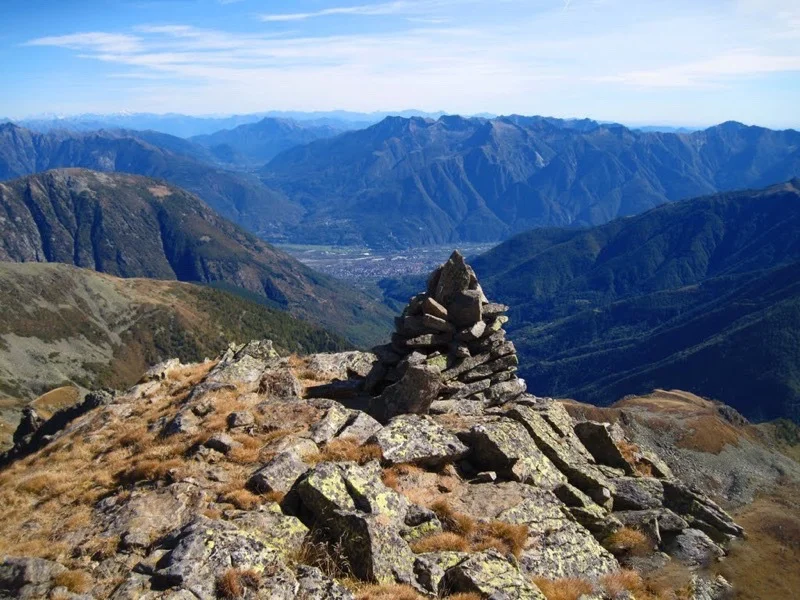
(405, 182)
(702, 295)
(132, 226)
(254, 144)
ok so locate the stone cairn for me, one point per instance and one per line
(449, 352)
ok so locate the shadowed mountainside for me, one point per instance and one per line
(132, 226)
(702, 295)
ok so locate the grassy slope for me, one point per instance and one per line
(60, 323)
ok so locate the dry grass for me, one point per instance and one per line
(625, 580)
(386, 592)
(506, 538)
(765, 564)
(316, 551)
(345, 450)
(708, 433)
(628, 541)
(77, 582)
(669, 583)
(391, 475)
(570, 588)
(441, 542)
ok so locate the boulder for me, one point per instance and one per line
(490, 574)
(278, 475)
(694, 548)
(280, 384)
(700, 510)
(557, 545)
(504, 446)
(240, 419)
(314, 584)
(433, 308)
(222, 442)
(360, 428)
(599, 440)
(413, 394)
(420, 440)
(430, 569)
(638, 493)
(28, 424)
(341, 365)
(334, 421)
(205, 549)
(27, 578)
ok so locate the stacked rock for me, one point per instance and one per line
(449, 345)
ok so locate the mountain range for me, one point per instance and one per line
(702, 295)
(406, 182)
(131, 226)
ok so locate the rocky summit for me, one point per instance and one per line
(238, 478)
(449, 352)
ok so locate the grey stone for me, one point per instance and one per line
(413, 394)
(222, 442)
(694, 548)
(638, 493)
(598, 439)
(278, 474)
(240, 419)
(450, 279)
(489, 573)
(314, 585)
(335, 420)
(360, 428)
(433, 308)
(437, 324)
(465, 308)
(420, 440)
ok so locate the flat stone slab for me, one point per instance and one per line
(420, 440)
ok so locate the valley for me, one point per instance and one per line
(359, 263)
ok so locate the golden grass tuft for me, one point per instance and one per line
(441, 542)
(386, 592)
(233, 584)
(316, 551)
(77, 582)
(391, 475)
(243, 499)
(628, 541)
(476, 535)
(570, 588)
(346, 450)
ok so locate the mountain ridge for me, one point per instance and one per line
(131, 226)
(417, 181)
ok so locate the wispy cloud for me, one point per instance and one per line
(386, 8)
(515, 55)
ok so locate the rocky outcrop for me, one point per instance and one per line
(450, 490)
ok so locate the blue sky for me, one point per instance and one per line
(686, 62)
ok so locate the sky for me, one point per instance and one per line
(658, 62)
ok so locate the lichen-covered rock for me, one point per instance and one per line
(360, 428)
(373, 547)
(557, 546)
(420, 440)
(638, 493)
(326, 428)
(657, 521)
(413, 394)
(205, 549)
(599, 440)
(341, 365)
(694, 548)
(278, 474)
(504, 446)
(184, 422)
(240, 419)
(564, 454)
(491, 575)
(280, 383)
(700, 510)
(315, 585)
(323, 491)
(243, 365)
(284, 532)
(430, 568)
(704, 588)
(370, 494)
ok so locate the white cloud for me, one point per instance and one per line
(94, 40)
